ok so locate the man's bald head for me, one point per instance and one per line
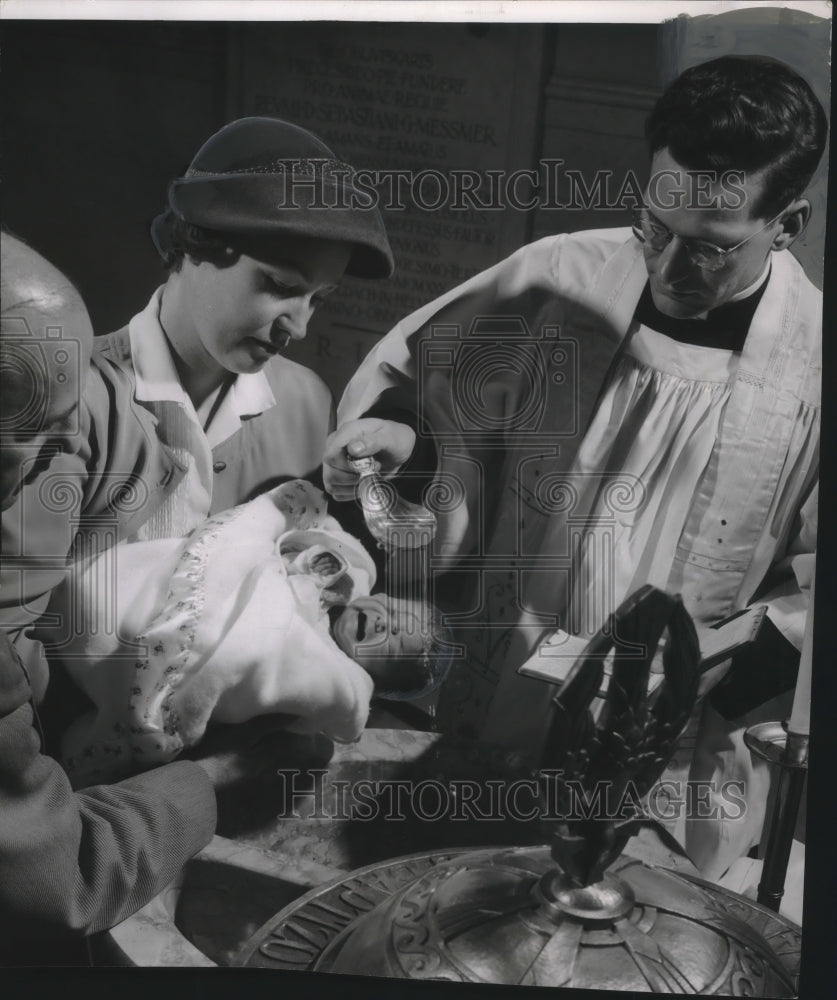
(28, 279)
(46, 340)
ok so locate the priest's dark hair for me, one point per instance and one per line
(743, 113)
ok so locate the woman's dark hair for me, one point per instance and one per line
(176, 239)
(743, 113)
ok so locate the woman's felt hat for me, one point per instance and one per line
(262, 177)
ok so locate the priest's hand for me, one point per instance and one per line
(389, 443)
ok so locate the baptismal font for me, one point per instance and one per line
(578, 912)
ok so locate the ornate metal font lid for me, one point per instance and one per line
(508, 916)
(574, 913)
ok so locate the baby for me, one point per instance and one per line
(401, 643)
(398, 641)
(264, 609)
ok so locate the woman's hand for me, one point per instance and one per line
(388, 442)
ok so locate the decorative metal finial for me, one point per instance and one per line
(618, 756)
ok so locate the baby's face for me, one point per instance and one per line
(373, 629)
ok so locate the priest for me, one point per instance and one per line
(614, 408)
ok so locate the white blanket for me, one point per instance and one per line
(182, 632)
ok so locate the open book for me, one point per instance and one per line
(557, 655)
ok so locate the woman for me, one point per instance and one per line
(264, 224)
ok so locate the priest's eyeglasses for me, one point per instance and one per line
(701, 254)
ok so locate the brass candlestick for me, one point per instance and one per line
(788, 751)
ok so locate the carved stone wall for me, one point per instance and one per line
(603, 84)
(99, 116)
(426, 109)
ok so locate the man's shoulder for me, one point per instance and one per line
(810, 291)
(588, 247)
(601, 240)
(597, 243)
(571, 262)
(290, 377)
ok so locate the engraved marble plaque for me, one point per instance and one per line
(428, 108)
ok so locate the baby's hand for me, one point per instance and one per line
(326, 564)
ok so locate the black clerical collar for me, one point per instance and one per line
(725, 327)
